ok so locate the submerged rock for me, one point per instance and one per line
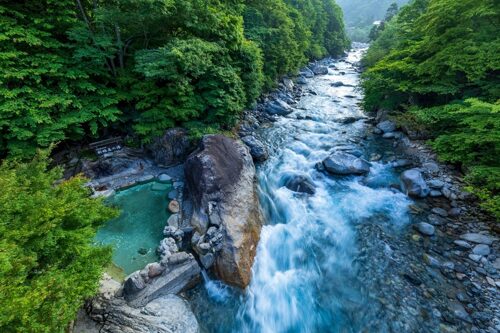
(341, 163)
(220, 177)
(299, 183)
(414, 184)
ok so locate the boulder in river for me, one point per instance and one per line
(341, 163)
(278, 107)
(220, 177)
(307, 73)
(299, 183)
(414, 184)
(257, 149)
(337, 84)
(319, 70)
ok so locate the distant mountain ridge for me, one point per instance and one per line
(360, 14)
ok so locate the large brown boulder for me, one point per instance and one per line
(220, 176)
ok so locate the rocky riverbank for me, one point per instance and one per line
(453, 249)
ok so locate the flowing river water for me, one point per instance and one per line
(326, 262)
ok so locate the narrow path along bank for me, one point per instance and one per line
(354, 253)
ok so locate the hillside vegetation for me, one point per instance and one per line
(436, 67)
(73, 70)
(359, 15)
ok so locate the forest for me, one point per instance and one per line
(79, 70)
(436, 66)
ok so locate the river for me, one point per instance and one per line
(341, 260)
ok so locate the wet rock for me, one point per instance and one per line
(412, 278)
(257, 149)
(207, 260)
(173, 221)
(172, 195)
(431, 261)
(302, 80)
(167, 247)
(337, 84)
(220, 177)
(142, 251)
(307, 73)
(169, 231)
(401, 163)
(435, 193)
(278, 107)
(478, 238)
(155, 269)
(392, 135)
(458, 311)
(454, 212)
(463, 244)
(430, 167)
(319, 70)
(164, 178)
(425, 228)
(439, 211)
(414, 184)
(173, 206)
(299, 183)
(171, 148)
(481, 249)
(341, 163)
(496, 264)
(178, 258)
(475, 257)
(435, 219)
(435, 183)
(349, 120)
(134, 283)
(386, 126)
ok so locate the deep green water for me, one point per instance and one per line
(139, 228)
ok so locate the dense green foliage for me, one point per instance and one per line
(360, 15)
(48, 265)
(79, 69)
(436, 65)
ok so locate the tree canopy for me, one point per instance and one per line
(437, 65)
(48, 265)
(80, 69)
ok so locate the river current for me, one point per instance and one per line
(311, 273)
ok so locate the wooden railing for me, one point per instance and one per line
(107, 146)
